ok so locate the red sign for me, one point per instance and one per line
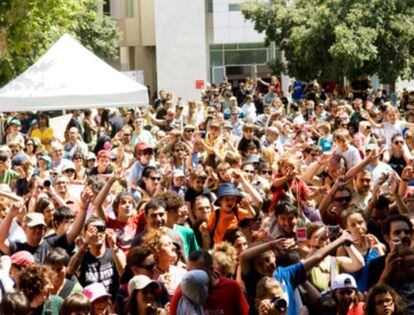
(199, 84)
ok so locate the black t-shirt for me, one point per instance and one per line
(45, 246)
(101, 270)
(397, 164)
(250, 282)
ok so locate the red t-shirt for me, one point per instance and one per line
(298, 188)
(224, 298)
(125, 231)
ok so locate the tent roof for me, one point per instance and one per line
(69, 76)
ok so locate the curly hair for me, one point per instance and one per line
(224, 258)
(34, 280)
(173, 201)
(153, 240)
(383, 289)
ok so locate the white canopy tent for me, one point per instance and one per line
(69, 76)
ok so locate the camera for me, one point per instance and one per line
(47, 183)
(279, 303)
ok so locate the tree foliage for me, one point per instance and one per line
(334, 38)
(29, 27)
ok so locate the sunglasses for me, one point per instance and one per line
(398, 142)
(179, 150)
(343, 199)
(155, 178)
(127, 134)
(147, 152)
(189, 130)
(267, 172)
(100, 228)
(249, 171)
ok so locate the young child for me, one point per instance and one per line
(351, 154)
(325, 140)
(14, 135)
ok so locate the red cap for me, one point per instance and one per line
(22, 258)
(103, 154)
(141, 146)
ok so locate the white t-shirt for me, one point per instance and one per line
(249, 112)
(351, 156)
(391, 130)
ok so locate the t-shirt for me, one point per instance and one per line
(391, 130)
(362, 275)
(45, 246)
(44, 136)
(290, 277)
(298, 190)
(226, 298)
(189, 239)
(102, 269)
(8, 176)
(250, 282)
(351, 156)
(397, 164)
(226, 221)
(125, 231)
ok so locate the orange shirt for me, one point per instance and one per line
(226, 221)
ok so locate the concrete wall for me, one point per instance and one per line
(181, 47)
(230, 26)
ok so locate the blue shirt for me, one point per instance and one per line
(290, 277)
(362, 275)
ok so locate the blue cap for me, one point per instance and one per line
(18, 159)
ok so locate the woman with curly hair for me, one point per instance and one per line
(36, 284)
(165, 252)
(384, 300)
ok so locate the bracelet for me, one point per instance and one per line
(404, 180)
(272, 245)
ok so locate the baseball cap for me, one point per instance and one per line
(95, 291)
(344, 281)
(178, 173)
(69, 165)
(141, 146)
(252, 158)
(18, 159)
(227, 124)
(22, 258)
(90, 156)
(104, 154)
(189, 126)
(15, 122)
(140, 282)
(34, 219)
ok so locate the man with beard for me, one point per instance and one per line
(362, 194)
(43, 132)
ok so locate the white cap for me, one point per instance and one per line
(344, 281)
(140, 282)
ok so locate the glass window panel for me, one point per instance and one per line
(216, 58)
(245, 57)
(216, 47)
(230, 46)
(251, 45)
(234, 7)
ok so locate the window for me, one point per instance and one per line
(216, 58)
(107, 7)
(210, 6)
(245, 57)
(234, 7)
(129, 8)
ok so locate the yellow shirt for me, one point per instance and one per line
(44, 136)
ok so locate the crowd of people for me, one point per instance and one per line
(246, 201)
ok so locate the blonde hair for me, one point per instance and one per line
(269, 155)
(341, 134)
(224, 258)
(265, 285)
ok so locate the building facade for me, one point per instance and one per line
(180, 45)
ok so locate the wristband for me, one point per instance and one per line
(272, 245)
(404, 180)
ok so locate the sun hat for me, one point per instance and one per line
(34, 219)
(344, 281)
(69, 165)
(140, 282)
(178, 173)
(15, 122)
(95, 291)
(18, 159)
(22, 258)
(227, 189)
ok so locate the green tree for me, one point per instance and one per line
(29, 27)
(331, 38)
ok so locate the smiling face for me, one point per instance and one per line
(227, 203)
(287, 222)
(126, 207)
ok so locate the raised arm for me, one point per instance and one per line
(5, 226)
(76, 227)
(257, 200)
(314, 259)
(354, 262)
